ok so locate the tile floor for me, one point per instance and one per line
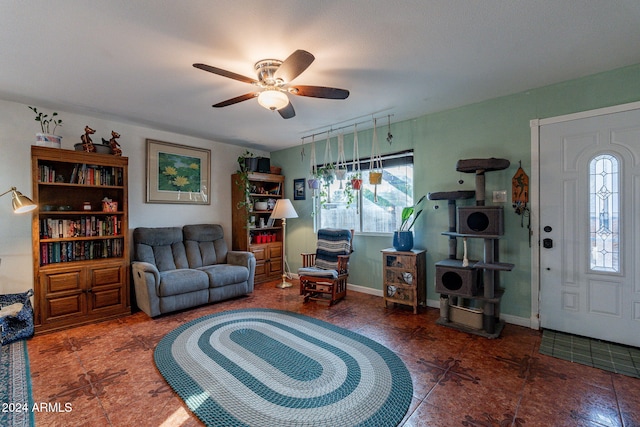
(104, 374)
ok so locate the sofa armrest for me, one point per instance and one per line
(246, 259)
(146, 279)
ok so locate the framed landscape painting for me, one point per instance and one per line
(178, 173)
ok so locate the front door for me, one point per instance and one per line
(590, 227)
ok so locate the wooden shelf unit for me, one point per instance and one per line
(80, 256)
(246, 234)
(404, 277)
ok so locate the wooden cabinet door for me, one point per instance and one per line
(107, 287)
(62, 295)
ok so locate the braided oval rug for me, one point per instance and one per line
(261, 367)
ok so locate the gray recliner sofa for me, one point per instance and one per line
(181, 267)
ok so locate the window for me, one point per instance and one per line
(343, 207)
(604, 210)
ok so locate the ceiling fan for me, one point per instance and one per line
(274, 78)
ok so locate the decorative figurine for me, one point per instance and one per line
(113, 144)
(87, 143)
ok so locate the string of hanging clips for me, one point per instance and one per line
(332, 129)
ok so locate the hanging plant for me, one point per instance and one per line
(375, 164)
(355, 176)
(341, 162)
(313, 180)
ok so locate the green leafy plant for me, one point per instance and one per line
(45, 121)
(408, 214)
(241, 160)
(243, 180)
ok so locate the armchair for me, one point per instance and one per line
(323, 275)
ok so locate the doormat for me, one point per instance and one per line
(618, 358)
(260, 367)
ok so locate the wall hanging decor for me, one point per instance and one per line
(178, 174)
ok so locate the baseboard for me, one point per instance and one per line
(508, 318)
(364, 290)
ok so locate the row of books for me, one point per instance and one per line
(57, 252)
(83, 174)
(84, 226)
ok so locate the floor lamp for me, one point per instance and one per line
(21, 204)
(283, 210)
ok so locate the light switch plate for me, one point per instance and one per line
(500, 196)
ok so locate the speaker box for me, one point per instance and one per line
(481, 220)
(454, 279)
(264, 165)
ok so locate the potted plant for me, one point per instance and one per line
(314, 181)
(403, 237)
(248, 162)
(245, 166)
(47, 137)
(356, 180)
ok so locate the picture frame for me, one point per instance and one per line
(299, 191)
(178, 174)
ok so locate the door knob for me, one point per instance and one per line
(547, 243)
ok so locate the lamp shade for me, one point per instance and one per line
(283, 209)
(273, 99)
(21, 204)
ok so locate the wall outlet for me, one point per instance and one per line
(500, 196)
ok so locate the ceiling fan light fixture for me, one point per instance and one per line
(272, 99)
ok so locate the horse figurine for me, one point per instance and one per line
(87, 143)
(113, 144)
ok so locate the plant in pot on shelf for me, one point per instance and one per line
(244, 168)
(248, 162)
(403, 237)
(47, 137)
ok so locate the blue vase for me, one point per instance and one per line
(403, 240)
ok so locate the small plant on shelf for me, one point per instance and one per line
(243, 171)
(46, 121)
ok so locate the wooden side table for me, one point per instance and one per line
(404, 277)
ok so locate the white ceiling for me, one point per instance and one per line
(132, 60)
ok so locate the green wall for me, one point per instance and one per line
(495, 128)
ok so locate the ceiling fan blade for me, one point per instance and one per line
(235, 100)
(294, 65)
(225, 73)
(287, 112)
(319, 92)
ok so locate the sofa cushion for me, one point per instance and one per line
(204, 245)
(225, 274)
(162, 247)
(175, 282)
